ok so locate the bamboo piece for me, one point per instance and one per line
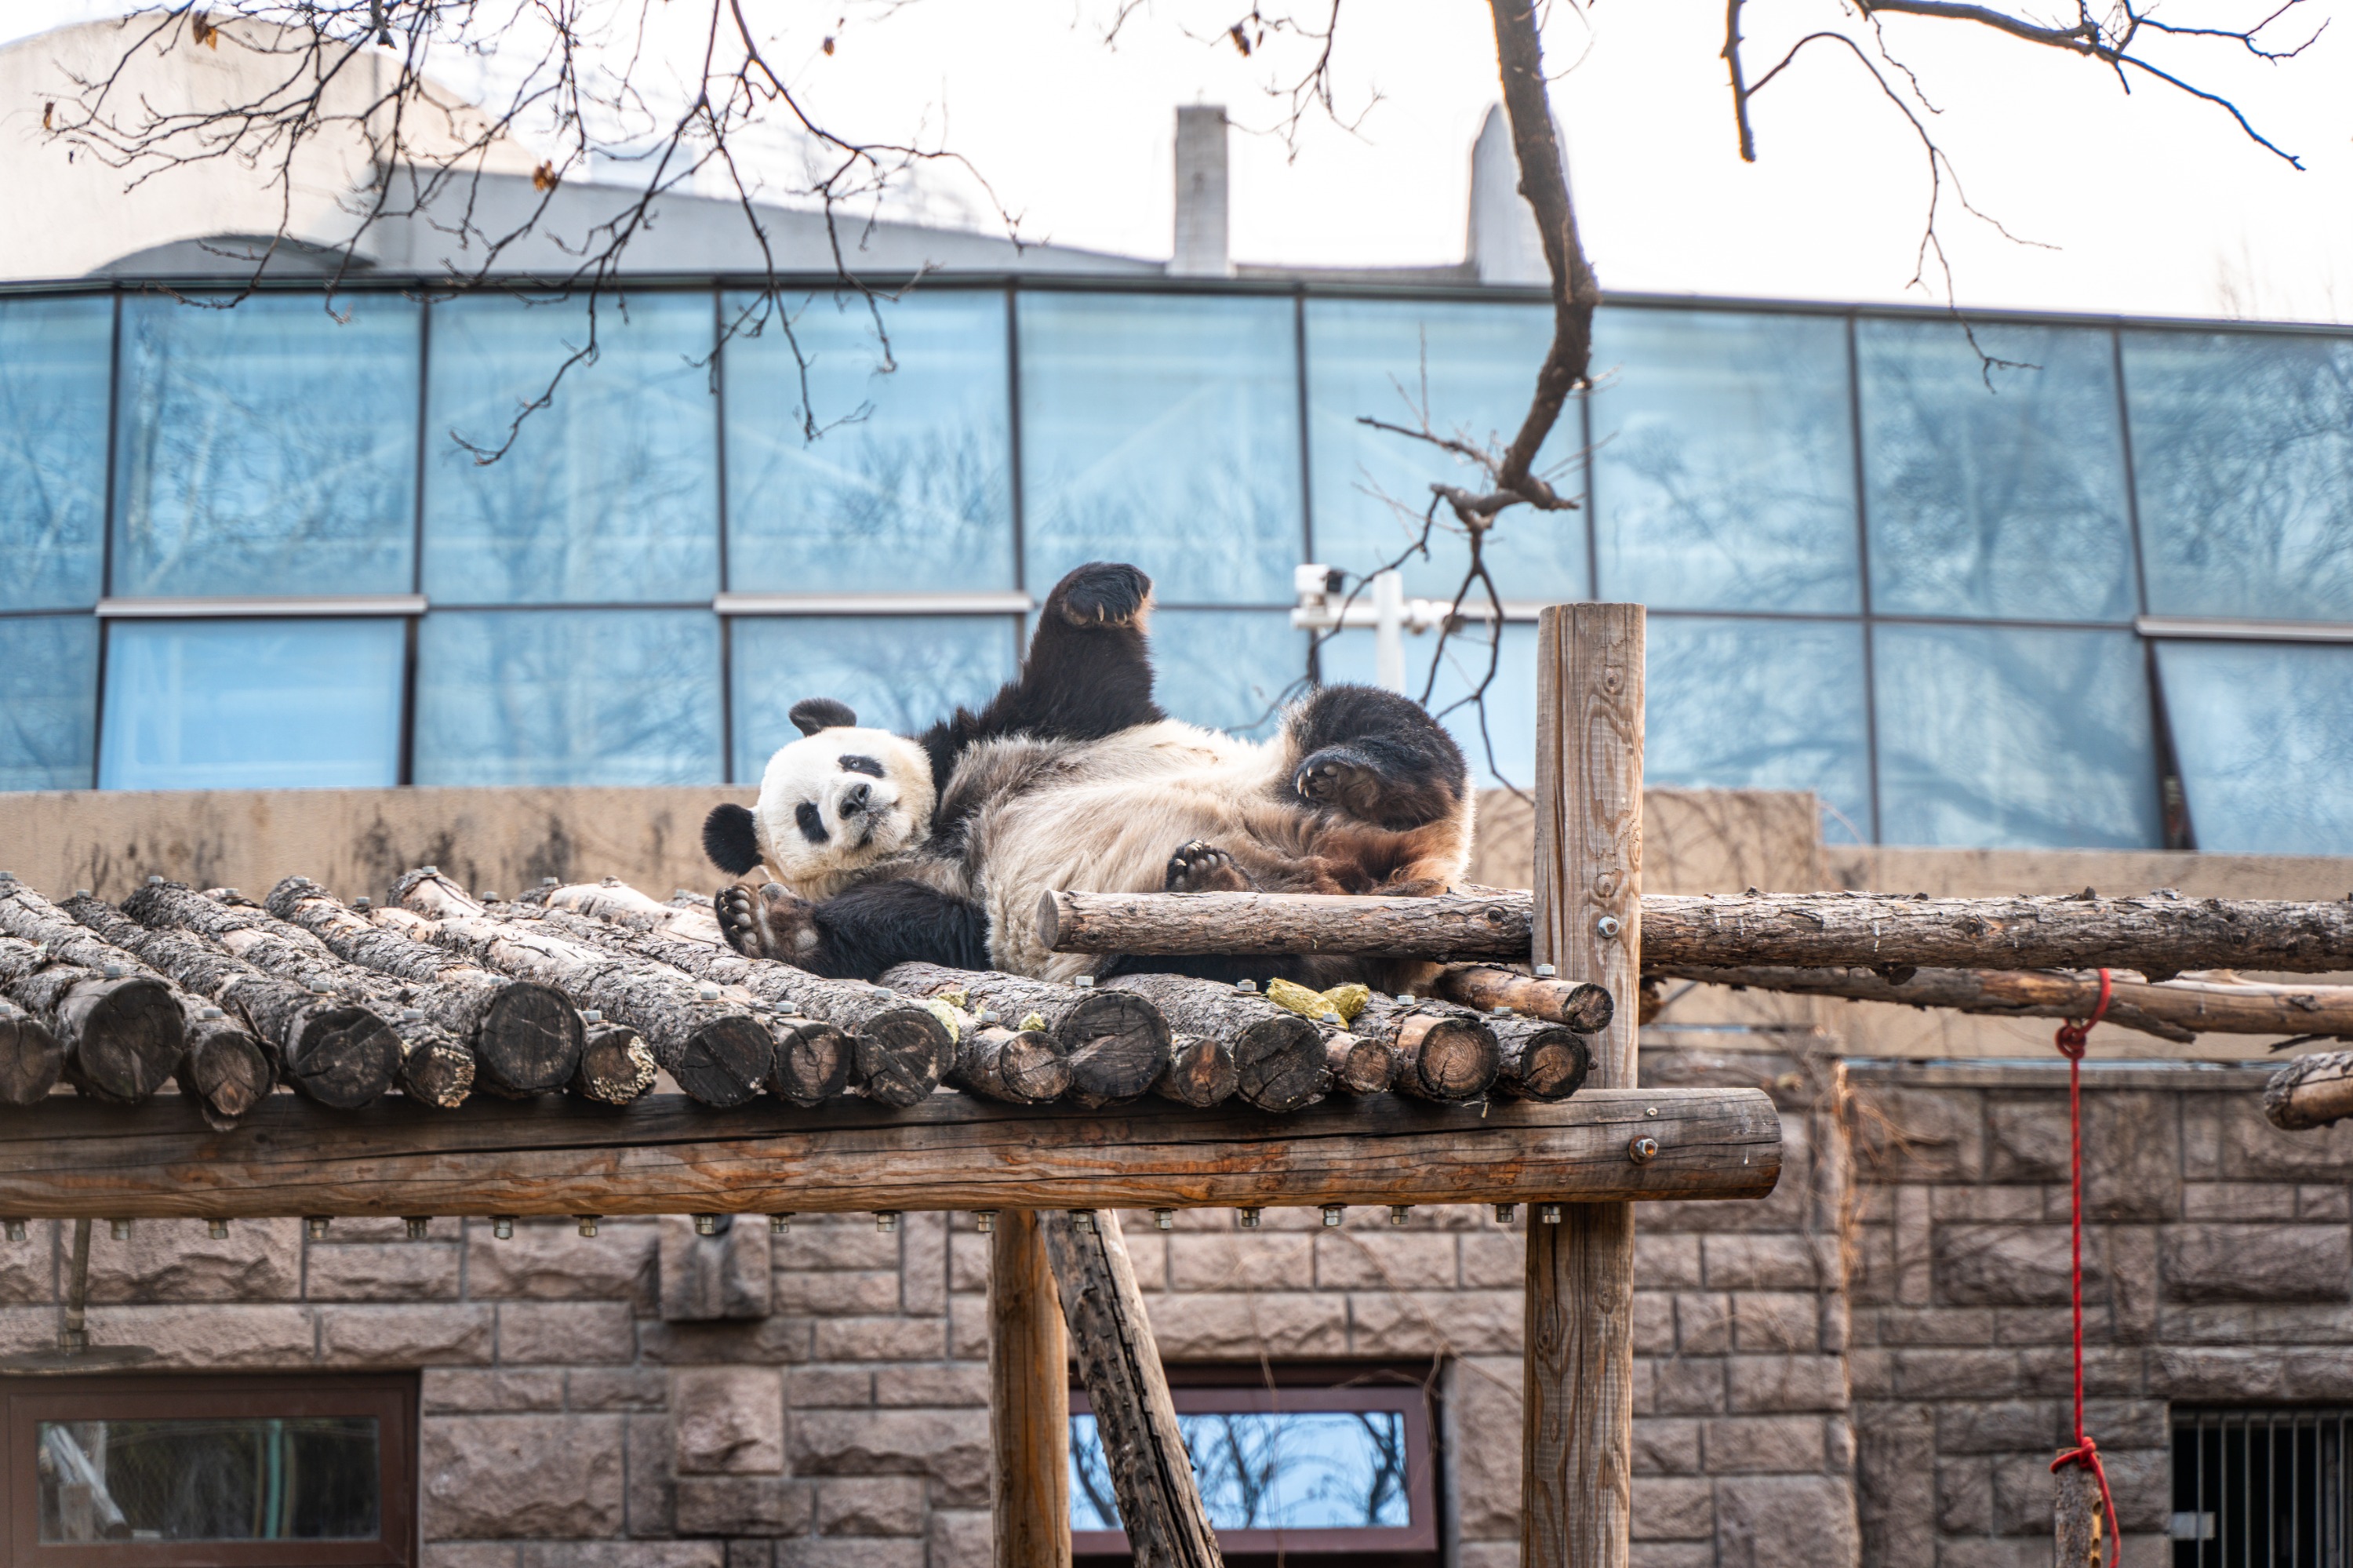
(1151, 1474)
(1359, 1065)
(1028, 1401)
(1482, 988)
(1443, 1051)
(556, 1156)
(1577, 1400)
(1116, 1041)
(1279, 1062)
(1022, 1067)
(2311, 1091)
(2157, 935)
(713, 1047)
(118, 1028)
(30, 1057)
(1539, 1060)
(1200, 1072)
(526, 1039)
(329, 1051)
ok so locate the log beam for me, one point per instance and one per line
(2311, 1091)
(1029, 1400)
(665, 1155)
(2157, 936)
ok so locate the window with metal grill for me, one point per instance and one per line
(2263, 1486)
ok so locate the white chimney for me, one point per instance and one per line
(1201, 193)
(1503, 246)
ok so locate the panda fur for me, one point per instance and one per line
(831, 805)
(1073, 777)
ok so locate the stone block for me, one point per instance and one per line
(2010, 1205)
(968, 1328)
(382, 1271)
(2132, 1149)
(1764, 1444)
(767, 1340)
(2009, 1265)
(968, 1256)
(1919, 1134)
(1481, 1412)
(1786, 1521)
(835, 1241)
(1787, 1383)
(513, 1476)
(652, 1497)
(1667, 1447)
(470, 1554)
(1684, 1386)
(705, 1278)
(1762, 1262)
(2128, 1254)
(206, 1335)
(1915, 1233)
(2233, 1376)
(2253, 1150)
(1244, 1325)
(752, 1551)
(1376, 1260)
(574, 1331)
(1992, 1551)
(1434, 1323)
(1658, 1554)
(880, 1339)
(175, 1261)
(1241, 1261)
(744, 1505)
(946, 1383)
(2314, 1204)
(617, 1388)
(835, 1293)
(923, 1269)
(951, 1447)
(2024, 1492)
(850, 1552)
(1933, 1325)
(2141, 1480)
(1767, 1321)
(872, 1505)
(1507, 1555)
(462, 1391)
(624, 1554)
(29, 1269)
(728, 1420)
(1661, 1262)
(1997, 1426)
(828, 1388)
(2237, 1202)
(1673, 1507)
(1703, 1322)
(959, 1536)
(2258, 1262)
(1895, 1456)
(2033, 1325)
(1964, 1496)
(551, 1261)
(1655, 1323)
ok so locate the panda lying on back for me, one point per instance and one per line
(886, 850)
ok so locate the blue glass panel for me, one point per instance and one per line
(1469, 369)
(1164, 431)
(268, 449)
(1303, 1470)
(56, 355)
(911, 484)
(2014, 738)
(1504, 755)
(568, 696)
(48, 700)
(1760, 704)
(2264, 734)
(1994, 490)
(1226, 669)
(2242, 453)
(611, 492)
(903, 673)
(1722, 460)
(252, 704)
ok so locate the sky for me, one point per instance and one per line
(2147, 203)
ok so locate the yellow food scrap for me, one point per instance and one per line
(1347, 1001)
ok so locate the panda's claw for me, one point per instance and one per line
(1198, 867)
(1104, 594)
(1336, 778)
(769, 924)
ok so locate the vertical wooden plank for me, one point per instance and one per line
(2077, 1519)
(1578, 1436)
(1029, 1400)
(1150, 1475)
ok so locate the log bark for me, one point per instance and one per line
(1539, 1060)
(225, 1067)
(2078, 1536)
(2155, 936)
(1444, 1051)
(615, 1068)
(1482, 988)
(2311, 1091)
(1029, 1400)
(1022, 1067)
(526, 1039)
(1119, 1364)
(556, 1156)
(1200, 1072)
(1359, 1065)
(1116, 1043)
(119, 1027)
(1279, 1062)
(715, 1048)
(2176, 1010)
(30, 1057)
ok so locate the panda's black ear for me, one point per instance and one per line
(728, 840)
(815, 714)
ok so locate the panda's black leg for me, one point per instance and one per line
(1089, 672)
(1378, 756)
(859, 933)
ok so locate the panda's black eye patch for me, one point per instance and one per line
(811, 824)
(866, 765)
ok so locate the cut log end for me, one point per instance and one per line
(1359, 1066)
(436, 1072)
(30, 1057)
(226, 1068)
(1446, 1056)
(1539, 1060)
(1279, 1063)
(125, 1038)
(1118, 1045)
(344, 1057)
(530, 1040)
(903, 1053)
(1200, 1072)
(813, 1060)
(1027, 1067)
(725, 1061)
(615, 1065)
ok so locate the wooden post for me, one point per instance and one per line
(1150, 1475)
(1029, 1400)
(2077, 1519)
(1577, 1433)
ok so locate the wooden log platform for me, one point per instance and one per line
(2157, 935)
(2311, 1091)
(665, 1155)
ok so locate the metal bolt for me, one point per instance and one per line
(502, 1226)
(315, 1227)
(411, 1015)
(1332, 1213)
(1405, 999)
(1642, 1151)
(707, 993)
(119, 1229)
(112, 971)
(706, 1225)
(217, 1229)
(231, 893)
(1086, 982)
(1501, 1009)
(1082, 1220)
(1506, 1212)
(488, 896)
(81, 893)
(430, 869)
(417, 1225)
(1249, 1218)
(1549, 1213)
(1334, 1020)
(1400, 1213)
(984, 1220)
(551, 882)
(1607, 927)
(779, 1224)
(588, 1224)
(1545, 971)
(1650, 1110)
(206, 1014)
(16, 1230)
(359, 904)
(1164, 1219)
(593, 1015)
(1245, 985)
(155, 881)
(886, 1220)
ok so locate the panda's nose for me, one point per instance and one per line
(854, 799)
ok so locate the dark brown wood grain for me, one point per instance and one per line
(1022, 1066)
(118, 1028)
(30, 1057)
(1116, 1041)
(1359, 1065)
(1573, 1004)
(225, 1066)
(1200, 1072)
(1278, 1054)
(615, 1068)
(1443, 1051)
(2311, 1091)
(1029, 1400)
(1538, 1059)
(666, 1155)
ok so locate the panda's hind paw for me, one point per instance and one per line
(1198, 867)
(768, 923)
(1104, 593)
(1337, 775)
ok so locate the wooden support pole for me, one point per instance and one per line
(2076, 1519)
(1150, 1475)
(1578, 1410)
(1029, 1400)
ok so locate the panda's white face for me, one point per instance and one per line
(835, 801)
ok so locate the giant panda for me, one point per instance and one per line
(883, 849)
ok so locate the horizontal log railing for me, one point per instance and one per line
(558, 1157)
(2157, 935)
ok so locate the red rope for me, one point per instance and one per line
(2070, 1037)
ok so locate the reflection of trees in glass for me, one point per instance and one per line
(1994, 490)
(611, 493)
(2264, 731)
(1214, 531)
(898, 672)
(1760, 704)
(269, 448)
(49, 694)
(1226, 669)
(2242, 450)
(1281, 1470)
(227, 1478)
(55, 363)
(1724, 470)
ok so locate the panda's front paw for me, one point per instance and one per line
(1104, 593)
(767, 922)
(1336, 776)
(1197, 867)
